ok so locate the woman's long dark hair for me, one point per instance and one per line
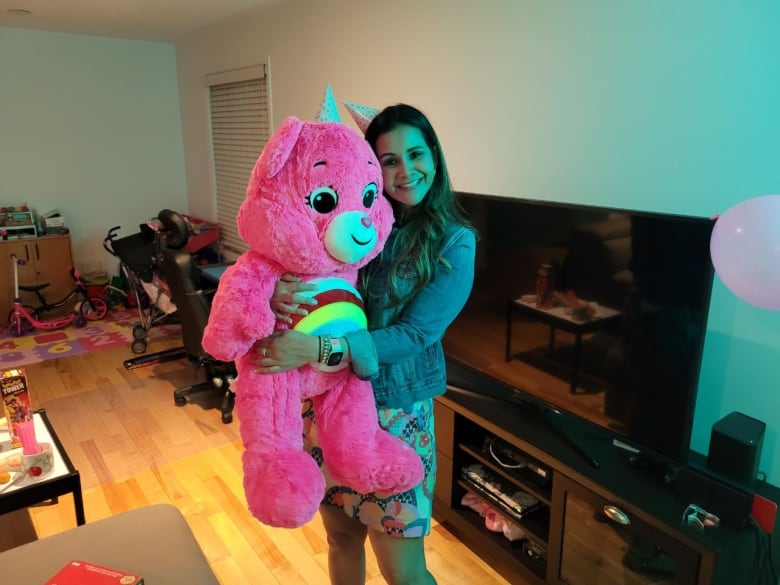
(419, 243)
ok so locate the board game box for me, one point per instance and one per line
(16, 401)
(85, 573)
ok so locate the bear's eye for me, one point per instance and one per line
(323, 200)
(369, 195)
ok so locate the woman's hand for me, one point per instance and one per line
(287, 300)
(286, 350)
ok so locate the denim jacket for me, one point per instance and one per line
(401, 353)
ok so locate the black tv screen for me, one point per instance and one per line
(594, 312)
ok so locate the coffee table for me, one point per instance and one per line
(63, 479)
(559, 318)
(153, 540)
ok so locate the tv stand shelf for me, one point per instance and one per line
(571, 539)
(521, 478)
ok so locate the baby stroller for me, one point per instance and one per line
(160, 252)
(137, 254)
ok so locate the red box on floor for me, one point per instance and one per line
(84, 573)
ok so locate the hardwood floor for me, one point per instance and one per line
(133, 447)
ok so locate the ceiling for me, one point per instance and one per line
(151, 20)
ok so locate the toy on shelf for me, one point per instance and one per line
(18, 221)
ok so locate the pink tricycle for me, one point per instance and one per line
(24, 317)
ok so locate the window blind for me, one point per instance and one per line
(240, 128)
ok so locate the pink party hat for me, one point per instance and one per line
(329, 111)
(361, 114)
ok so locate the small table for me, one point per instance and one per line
(24, 491)
(560, 318)
(213, 272)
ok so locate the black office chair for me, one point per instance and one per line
(177, 268)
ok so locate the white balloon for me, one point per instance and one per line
(745, 250)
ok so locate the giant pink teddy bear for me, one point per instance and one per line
(314, 207)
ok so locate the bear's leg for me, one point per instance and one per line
(357, 451)
(282, 482)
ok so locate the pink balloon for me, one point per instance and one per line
(745, 250)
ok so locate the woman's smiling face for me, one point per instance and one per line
(408, 165)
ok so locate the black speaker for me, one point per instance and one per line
(735, 447)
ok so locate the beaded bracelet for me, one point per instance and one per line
(325, 348)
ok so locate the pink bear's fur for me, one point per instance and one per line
(287, 221)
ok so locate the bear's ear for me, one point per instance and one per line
(281, 144)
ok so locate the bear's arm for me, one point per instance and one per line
(240, 311)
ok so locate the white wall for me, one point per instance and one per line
(651, 105)
(667, 106)
(92, 127)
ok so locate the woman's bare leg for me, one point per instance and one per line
(401, 560)
(346, 547)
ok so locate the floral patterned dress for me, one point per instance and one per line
(407, 514)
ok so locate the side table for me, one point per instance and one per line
(63, 479)
(557, 317)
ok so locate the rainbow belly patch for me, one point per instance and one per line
(339, 309)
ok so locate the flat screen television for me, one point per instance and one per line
(591, 312)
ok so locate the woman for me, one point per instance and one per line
(412, 291)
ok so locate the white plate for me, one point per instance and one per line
(14, 477)
(5, 460)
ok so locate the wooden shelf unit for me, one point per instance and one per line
(580, 543)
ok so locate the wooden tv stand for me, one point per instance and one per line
(576, 537)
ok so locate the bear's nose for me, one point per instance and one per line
(366, 221)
